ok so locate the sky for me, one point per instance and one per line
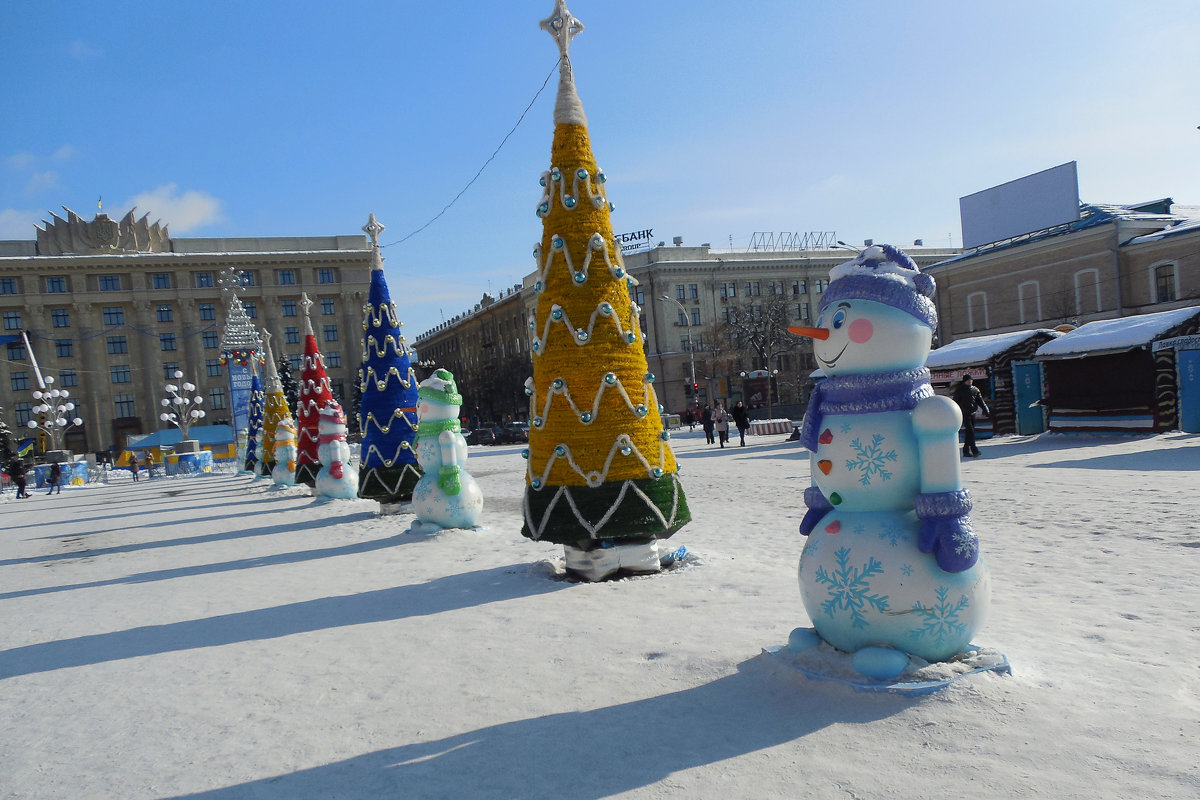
(868, 119)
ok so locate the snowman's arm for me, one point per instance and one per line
(943, 506)
(936, 421)
(448, 475)
(818, 505)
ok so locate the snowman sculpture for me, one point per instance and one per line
(446, 496)
(336, 477)
(891, 567)
(284, 471)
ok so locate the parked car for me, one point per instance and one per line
(512, 433)
(481, 436)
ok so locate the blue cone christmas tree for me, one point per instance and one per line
(388, 409)
(255, 422)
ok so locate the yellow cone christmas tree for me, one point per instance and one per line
(276, 407)
(601, 472)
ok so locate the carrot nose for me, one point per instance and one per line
(812, 333)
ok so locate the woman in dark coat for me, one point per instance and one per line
(54, 479)
(741, 419)
(16, 471)
(706, 422)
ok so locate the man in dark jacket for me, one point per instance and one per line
(969, 398)
(54, 479)
(741, 419)
(16, 471)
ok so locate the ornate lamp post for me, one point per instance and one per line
(182, 408)
(687, 321)
(54, 409)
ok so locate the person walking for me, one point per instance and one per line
(134, 466)
(54, 479)
(149, 465)
(969, 398)
(16, 471)
(721, 424)
(706, 422)
(741, 418)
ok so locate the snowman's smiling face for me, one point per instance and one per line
(866, 336)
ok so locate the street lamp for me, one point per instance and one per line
(182, 406)
(691, 352)
(54, 410)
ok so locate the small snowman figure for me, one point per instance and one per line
(284, 471)
(446, 496)
(891, 567)
(336, 478)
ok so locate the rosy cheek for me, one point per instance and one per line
(861, 330)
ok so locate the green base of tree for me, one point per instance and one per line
(580, 516)
(388, 484)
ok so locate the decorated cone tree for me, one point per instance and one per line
(275, 408)
(388, 408)
(314, 394)
(254, 431)
(291, 390)
(602, 479)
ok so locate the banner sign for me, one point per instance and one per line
(635, 242)
(239, 394)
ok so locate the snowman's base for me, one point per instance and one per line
(824, 663)
(388, 509)
(631, 564)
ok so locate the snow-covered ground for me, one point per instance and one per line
(212, 637)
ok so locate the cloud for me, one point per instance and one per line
(64, 153)
(184, 211)
(20, 161)
(15, 224)
(41, 181)
(81, 51)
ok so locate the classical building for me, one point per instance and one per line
(113, 307)
(688, 295)
(1114, 261)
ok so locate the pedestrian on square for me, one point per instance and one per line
(721, 424)
(706, 422)
(149, 464)
(134, 466)
(16, 471)
(55, 478)
(969, 398)
(740, 418)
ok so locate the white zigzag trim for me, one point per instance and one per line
(595, 478)
(399, 480)
(649, 399)
(388, 462)
(595, 242)
(594, 530)
(600, 311)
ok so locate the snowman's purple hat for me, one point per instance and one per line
(883, 273)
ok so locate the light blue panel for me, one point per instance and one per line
(1187, 363)
(1027, 389)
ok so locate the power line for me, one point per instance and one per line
(485, 163)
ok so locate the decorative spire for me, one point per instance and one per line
(272, 373)
(564, 27)
(306, 304)
(373, 228)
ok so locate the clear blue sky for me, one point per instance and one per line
(712, 119)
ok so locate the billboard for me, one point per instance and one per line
(635, 241)
(1032, 203)
(239, 395)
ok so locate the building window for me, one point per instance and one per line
(693, 291)
(56, 285)
(216, 398)
(1087, 291)
(695, 316)
(203, 280)
(64, 348)
(166, 341)
(169, 368)
(123, 406)
(1165, 286)
(291, 335)
(16, 351)
(165, 314)
(249, 278)
(251, 309)
(208, 312)
(685, 343)
(682, 320)
(802, 311)
(60, 317)
(117, 345)
(799, 287)
(640, 296)
(110, 283)
(20, 381)
(210, 340)
(820, 285)
(977, 311)
(287, 277)
(68, 378)
(119, 373)
(289, 308)
(333, 359)
(680, 292)
(327, 306)
(753, 289)
(212, 366)
(1029, 301)
(296, 361)
(8, 285)
(12, 321)
(24, 412)
(160, 280)
(330, 333)
(775, 287)
(114, 315)
(728, 290)
(725, 314)
(324, 276)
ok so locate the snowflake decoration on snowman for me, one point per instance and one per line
(887, 489)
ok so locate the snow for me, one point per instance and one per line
(978, 349)
(1123, 333)
(212, 637)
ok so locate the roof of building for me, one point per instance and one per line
(205, 434)
(979, 349)
(1116, 335)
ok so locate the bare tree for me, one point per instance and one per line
(758, 329)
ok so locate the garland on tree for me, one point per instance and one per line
(291, 390)
(600, 468)
(275, 409)
(314, 394)
(388, 382)
(255, 419)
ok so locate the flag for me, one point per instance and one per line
(25, 448)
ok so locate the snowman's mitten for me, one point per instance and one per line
(818, 507)
(448, 480)
(946, 529)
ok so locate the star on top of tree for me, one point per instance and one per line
(562, 25)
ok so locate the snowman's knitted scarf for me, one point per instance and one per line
(863, 394)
